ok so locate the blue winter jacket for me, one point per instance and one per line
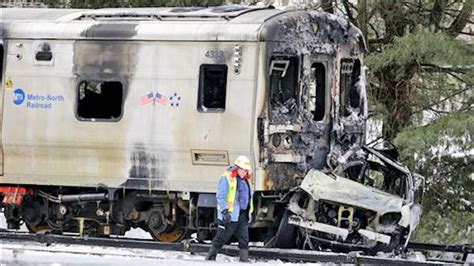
(221, 196)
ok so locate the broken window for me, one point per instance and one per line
(317, 91)
(212, 88)
(375, 173)
(283, 79)
(384, 177)
(100, 100)
(349, 93)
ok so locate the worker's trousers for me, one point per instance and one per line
(239, 229)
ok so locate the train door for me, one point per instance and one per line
(283, 103)
(298, 125)
(318, 90)
(319, 105)
(352, 103)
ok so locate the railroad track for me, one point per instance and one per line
(255, 252)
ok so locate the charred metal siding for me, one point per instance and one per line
(309, 35)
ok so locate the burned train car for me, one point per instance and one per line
(121, 118)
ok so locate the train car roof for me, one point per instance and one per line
(222, 23)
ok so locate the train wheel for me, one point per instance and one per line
(169, 237)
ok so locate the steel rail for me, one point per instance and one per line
(187, 246)
(464, 249)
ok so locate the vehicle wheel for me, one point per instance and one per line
(265, 234)
(170, 237)
(286, 234)
(36, 228)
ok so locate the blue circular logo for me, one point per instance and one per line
(19, 96)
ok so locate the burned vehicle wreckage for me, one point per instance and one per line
(138, 105)
(370, 204)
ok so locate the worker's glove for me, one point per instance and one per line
(226, 216)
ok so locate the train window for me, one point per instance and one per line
(317, 91)
(283, 79)
(44, 52)
(99, 100)
(349, 93)
(212, 88)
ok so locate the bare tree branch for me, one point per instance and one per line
(377, 41)
(456, 77)
(437, 12)
(435, 68)
(453, 3)
(347, 7)
(438, 111)
(461, 20)
(377, 34)
(327, 5)
(440, 101)
(466, 33)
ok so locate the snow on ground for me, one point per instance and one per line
(138, 233)
(20, 253)
(132, 233)
(16, 253)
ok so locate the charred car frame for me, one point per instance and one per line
(371, 204)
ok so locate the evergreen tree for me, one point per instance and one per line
(421, 64)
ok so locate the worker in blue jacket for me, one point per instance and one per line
(234, 208)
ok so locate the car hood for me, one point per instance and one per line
(345, 191)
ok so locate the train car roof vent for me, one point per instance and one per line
(186, 9)
(229, 8)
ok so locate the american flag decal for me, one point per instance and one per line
(154, 98)
(163, 100)
(148, 98)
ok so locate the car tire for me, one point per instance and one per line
(286, 233)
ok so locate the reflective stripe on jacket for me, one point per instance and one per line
(226, 197)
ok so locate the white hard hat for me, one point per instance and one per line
(243, 162)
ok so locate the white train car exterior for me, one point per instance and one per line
(137, 112)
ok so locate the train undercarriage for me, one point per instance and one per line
(371, 204)
(167, 216)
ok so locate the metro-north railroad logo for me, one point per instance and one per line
(18, 96)
(42, 101)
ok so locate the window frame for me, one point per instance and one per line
(77, 91)
(279, 58)
(200, 99)
(324, 63)
(344, 93)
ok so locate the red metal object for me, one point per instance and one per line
(14, 195)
